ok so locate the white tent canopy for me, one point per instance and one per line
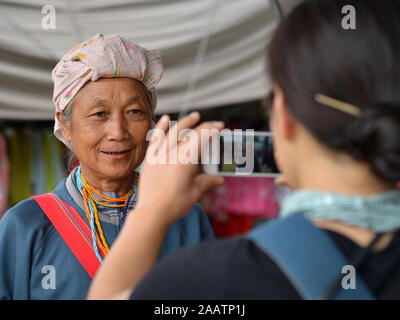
(213, 50)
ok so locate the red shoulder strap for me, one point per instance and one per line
(72, 228)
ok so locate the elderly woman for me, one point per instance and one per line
(104, 92)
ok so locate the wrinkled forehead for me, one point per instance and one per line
(105, 91)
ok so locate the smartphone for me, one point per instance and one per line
(241, 153)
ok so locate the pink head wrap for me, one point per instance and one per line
(103, 57)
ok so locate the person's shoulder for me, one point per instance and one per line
(196, 210)
(233, 268)
(62, 192)
(195, 215)
(212, 251)
(195, 269)
(195, 225)
(25, 215)
(24, 211)
(29, 207)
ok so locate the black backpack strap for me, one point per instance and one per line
(308, 257)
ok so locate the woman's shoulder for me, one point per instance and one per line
(196, 224)
(196, 209)
(26, 213)
(215, 270)
(23, 228)
(195, 214)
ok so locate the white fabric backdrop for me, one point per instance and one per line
(232, 69)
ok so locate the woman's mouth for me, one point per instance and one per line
(117, 155)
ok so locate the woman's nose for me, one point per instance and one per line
(117, 129)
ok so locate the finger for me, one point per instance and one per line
(207, 131)
(176, 129)
(188, 121)
(199, 138)
(204, 182)
(163, 123)
(159, 130)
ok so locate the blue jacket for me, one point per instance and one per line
(36, 263)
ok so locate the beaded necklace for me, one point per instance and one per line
(100, 245)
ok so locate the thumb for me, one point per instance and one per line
(204, 181)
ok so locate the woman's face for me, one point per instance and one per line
(110, 120)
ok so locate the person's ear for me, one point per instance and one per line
(65, 127)
(283, 121)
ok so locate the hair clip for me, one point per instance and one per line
(338, 105)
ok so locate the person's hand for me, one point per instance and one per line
(169, 190)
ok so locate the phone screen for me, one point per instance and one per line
(243, 153)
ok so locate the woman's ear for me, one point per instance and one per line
(65, 127)
(282, 120)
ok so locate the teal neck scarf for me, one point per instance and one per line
(380, 213)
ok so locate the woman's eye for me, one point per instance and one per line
(135, 111)
(99, 114)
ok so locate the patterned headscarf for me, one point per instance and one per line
(103, 57)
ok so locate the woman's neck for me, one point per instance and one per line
(325, 170)
(351, 180)
(104, 184)
(322, 169)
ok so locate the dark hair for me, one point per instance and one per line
(312, 53)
